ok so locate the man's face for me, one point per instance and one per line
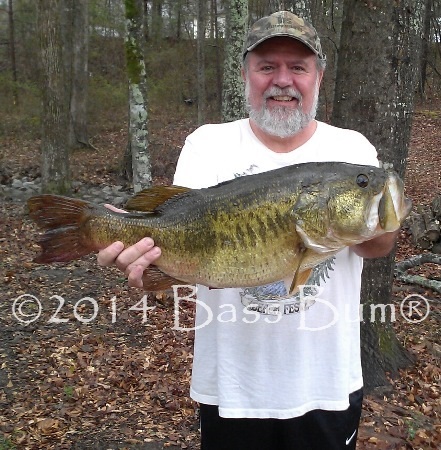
(281, 86)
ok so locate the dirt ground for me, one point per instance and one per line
(120, 380)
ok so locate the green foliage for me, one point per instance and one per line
(6, 444)
(68, 391)
(414, 423)
(106, 18)
(171, 73)
(107, 104)
(431, 114)
(22, 119)
(131, 9)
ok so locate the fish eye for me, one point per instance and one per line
(362, 180)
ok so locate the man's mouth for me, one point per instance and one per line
(283, 98)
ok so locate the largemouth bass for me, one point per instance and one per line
(246, 232)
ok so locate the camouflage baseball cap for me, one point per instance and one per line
(283, 23)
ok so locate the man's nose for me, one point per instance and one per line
(282, 77)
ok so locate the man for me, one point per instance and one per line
(274, 371)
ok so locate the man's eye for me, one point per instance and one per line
(267, 68)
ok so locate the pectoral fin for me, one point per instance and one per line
(155, 280)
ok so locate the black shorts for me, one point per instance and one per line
(316, 430)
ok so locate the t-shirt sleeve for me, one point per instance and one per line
(194, 168)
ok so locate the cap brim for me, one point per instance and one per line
(252, 47)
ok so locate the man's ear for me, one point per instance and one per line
(320, 75)
(242, 72)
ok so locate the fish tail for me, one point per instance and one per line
(64, 220)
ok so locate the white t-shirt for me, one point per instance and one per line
(258, 352)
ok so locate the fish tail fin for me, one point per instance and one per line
(62, 218)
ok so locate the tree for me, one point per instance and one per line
(202, 98)
(55, 173)
(137, 147)
(300, 7)
(157, 20)
(215, 28)
(233, 101)
(377, 75)
(75, 35)
(12, 52)
(425, 45)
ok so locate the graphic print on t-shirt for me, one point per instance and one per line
(274, 299)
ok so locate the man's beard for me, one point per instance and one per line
(281, 121)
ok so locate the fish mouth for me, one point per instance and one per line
(390, 207)
(394, 207)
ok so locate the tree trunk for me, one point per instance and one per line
(233, 100)
(12, 52)
(75, 38)
(301, 8)
(80, 74)
(427, 39)
(138, 111)
(157, 23)
(376, 79)
(202, 98)
(55, 174)
(218, 58)
(178, 9)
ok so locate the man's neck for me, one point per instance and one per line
(284, 145)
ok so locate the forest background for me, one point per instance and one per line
(188, 82)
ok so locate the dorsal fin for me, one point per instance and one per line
(149, 199)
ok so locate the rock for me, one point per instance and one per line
(21, 189)
(31, 186)
(118, 201)
(95, 191)
(16, 183)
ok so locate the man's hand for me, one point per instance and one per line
(132, 260)
(377, 247)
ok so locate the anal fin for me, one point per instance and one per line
(155, 280)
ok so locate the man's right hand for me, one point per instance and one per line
(132, 260)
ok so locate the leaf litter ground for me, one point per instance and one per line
(103, 367)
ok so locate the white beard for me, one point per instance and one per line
(280, 121)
